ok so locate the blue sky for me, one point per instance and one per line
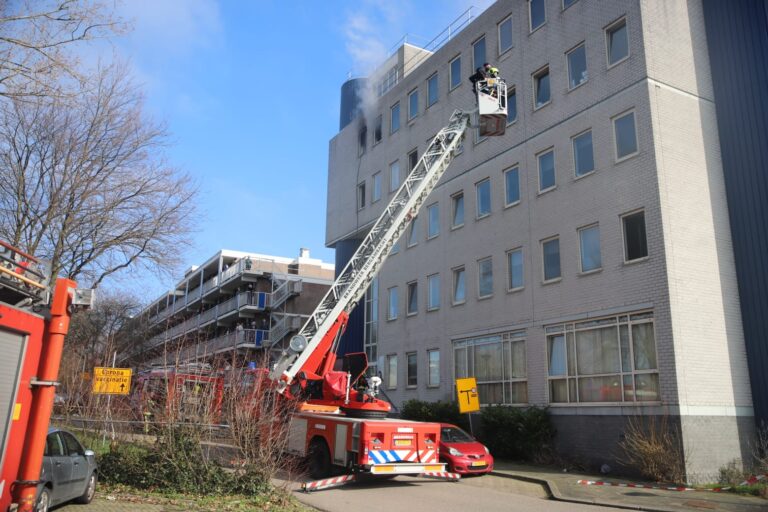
(249, 91)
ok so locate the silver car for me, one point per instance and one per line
(69, 471)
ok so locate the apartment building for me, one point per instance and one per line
(583, 261)
(233, 307)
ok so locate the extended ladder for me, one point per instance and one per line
(357, 275)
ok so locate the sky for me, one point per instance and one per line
(249, 91)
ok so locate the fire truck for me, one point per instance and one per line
(344, 423)
(33, 323)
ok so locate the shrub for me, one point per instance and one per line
(516, 433)
(439, 412)
(655, 448)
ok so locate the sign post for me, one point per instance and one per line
(111, 381)
(469, 399)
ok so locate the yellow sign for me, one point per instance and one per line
(111, 381)
(469, 400)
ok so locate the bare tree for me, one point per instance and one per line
(37, 38)
(83, 181)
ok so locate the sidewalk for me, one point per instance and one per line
(564, 487)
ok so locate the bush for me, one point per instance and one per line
(655, 448)
(516, 433)
(438, 412)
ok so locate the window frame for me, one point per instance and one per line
(451, 86)
(436, 78)
(361, 195)
(392, 291)
(430, 383)
(478, 214)
(430, 207)
(479, 276)
(392, 129)
(559, 278)
(531, 28)
(630, 111)
(378, 128)
(502, 51)
(476, 65)
(430, 296)
(514, 167)
(411, 285)
(534, 83)
(454, 201)
(413, 93)
(541, 153)
(564, 7)
(573, 154)
(376, 179)
(579, 232)
(610, 28)
(396, 163)
(408, 375)
(582, 44)
(414, 151)
(511, 289)
(412, 235)
(454, 273)
(388, 369)
(622, 218)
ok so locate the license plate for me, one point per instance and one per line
(402, 442)
(478, 463)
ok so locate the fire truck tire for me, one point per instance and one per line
(319, 459)
(43, 501)
(90, 491)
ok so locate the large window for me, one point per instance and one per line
(511, 186)
(625, 135)
(478, 53)
(412, 376)
(457, 217)
(371, 332)
(432, 90)
(433, 359)
(376, 192)
(635, 242)
(498, 363)
(538, 13)
(413, 298)
(589, 248)
(392, 306)
(391, 371)
(394, 118)
(583, 155)
(511, 105)
(505, 35)
(484, 278)
(483, 198)
(577, 66)
(413, 104)
(617, 43)
(433, 292)
(607, 360)
(515, 269)
(394, 176)
(413, 233)
(456, 72)
(551, 258)
(546, 170)
(541, 92)
(433, 220)
(459, 286)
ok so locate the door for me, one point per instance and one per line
(59, 464)
(76, 452)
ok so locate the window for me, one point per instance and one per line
(392, 303)
(515, 269)
(498, 363)
(603, 360)
(413, 233)
(53, 447)
(411, 369)
(478, 53)
(362, 137)
(483, 193)
(455, 72)
(394, 118)
(376, 192)
(551, 255)
(391, 371)
(457, 218)
(433, 360)
(541, 94)
(511, 105)
(511, 186)
(394, 176)
(625, 135)
(71, 444)
(635, 243)
(568, 3)
(538, 13)
(583, 157)
(377, 130)
(413, 160)
(361, 195)
(484, 278)
(395, 248)
(546, 170)
(589, 246)
(413, 104)
(459, 290)
(371, 332)
(505, 35)
(432, 90)
(433, 292)
(433, 220)
(577, 66)
(413, 298)
(617, 42)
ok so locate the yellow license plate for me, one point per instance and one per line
(478, 463)
(403, 442)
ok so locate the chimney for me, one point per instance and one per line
(303, 252)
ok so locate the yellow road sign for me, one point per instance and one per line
(469, 400)
(111, 381)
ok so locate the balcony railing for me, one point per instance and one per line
(210, 284)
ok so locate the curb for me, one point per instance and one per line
(554, 493)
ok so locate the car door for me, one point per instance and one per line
(58, 466)
(80, 467)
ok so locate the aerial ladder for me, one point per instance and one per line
(307, 368)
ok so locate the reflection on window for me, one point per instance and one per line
(546, 170)
(394, 118)
(625, 136)
(478, 52)
(505, 35)
(483, 196)
(391, 372)
(458, 210)
(538, 13)
(511, 186)
(583, 156)
(498, 363)
(541, 88)
(392, 303)
(455, 72)
(515, 269)
(459, 289)
(433, 358)
(589, 246)
(376, 192)
(413, 298)
(551, 253)
(616, 39)
(413, 104)
(433, 220)
(577, 66)
(432, 90)
(394, 176)
(413, 233)
(485, 278)
(433, 292)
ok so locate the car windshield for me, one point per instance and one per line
(455, 435)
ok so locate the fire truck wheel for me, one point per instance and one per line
(319, 459)
(90, 491)
(43, 501)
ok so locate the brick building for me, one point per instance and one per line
(583, 261)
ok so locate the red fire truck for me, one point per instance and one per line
(32, 329)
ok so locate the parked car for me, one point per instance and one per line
(462, 452)
(69, 471)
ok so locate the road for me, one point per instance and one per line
(487, 493)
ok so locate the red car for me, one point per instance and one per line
(462, 452)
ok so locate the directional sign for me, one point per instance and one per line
(111, 381)
(469, 400)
